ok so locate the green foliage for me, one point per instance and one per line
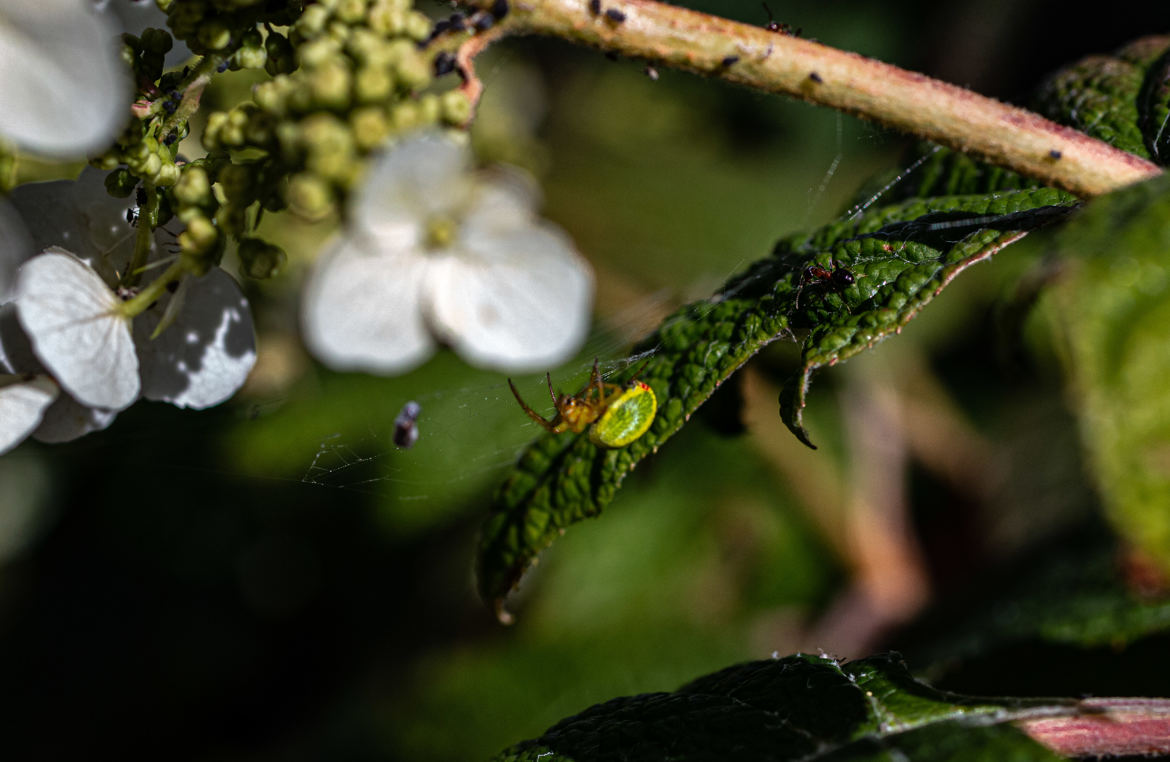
(900, 255)
(796, 707)
(1113, 309)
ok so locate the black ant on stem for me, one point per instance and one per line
(834, 278)
(778, 27)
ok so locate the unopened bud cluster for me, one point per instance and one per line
(344, 76)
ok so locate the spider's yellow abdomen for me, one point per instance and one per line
(625, 418)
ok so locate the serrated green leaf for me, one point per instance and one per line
(798, 707)
(901, 256)
(1114, 310)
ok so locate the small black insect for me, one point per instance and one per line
(499, 9)
(483, 21)
(1054, 154)
(457, 22)
(614, 15)
(223, 66)
(835, 278)
(778, 27)
(405, 425)
(815, 77)
(595, 7)
(170, 139)
(729, 61)
(132, 216)
(445, 63)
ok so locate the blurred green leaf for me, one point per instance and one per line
(797, 707)
(1113, 310)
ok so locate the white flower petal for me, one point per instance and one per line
(15, 247)
(361, 309)
(205, 355)
(424, 174)
(81, 217)
(504, 200)
(73, 321)
(512, 301)
(67, 419)
(64, 90)
(23, 400)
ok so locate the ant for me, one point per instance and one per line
(835, 278)
(775, 26)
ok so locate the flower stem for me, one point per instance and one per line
(780, 63)
(151, 293)
(144, 237)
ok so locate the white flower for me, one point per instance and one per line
(23, 400)
(434, 253)
(73, 328)
(64, 90)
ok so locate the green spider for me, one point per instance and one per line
(616, 415)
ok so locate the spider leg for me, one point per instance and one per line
(552, 395)
(531, 413)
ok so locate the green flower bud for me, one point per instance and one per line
(428, 109)
(386, 20)
(318, 52)
(372, 84)
(370, 127)
(157, 41)
(456, 107)
(236, 182)
(417, 26)
(216, 122)
(231, 219)
(121, 183)
(413, 71)
(214, 35)
(329, 147)
(168, 174)
(260, 259)
(312, 21)
(351, 11)
(193, 188)
(164, 5)
(309, 197)
(200, 235)
(150, 168)
(330, 85)
(405, 116)
(250, 58)
(281, 58)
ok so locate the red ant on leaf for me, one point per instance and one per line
(835, 278)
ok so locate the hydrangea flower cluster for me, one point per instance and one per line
(73, 349)
(104, 300)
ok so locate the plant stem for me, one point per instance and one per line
(780, 63)
(151, 293)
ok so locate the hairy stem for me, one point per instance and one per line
(779, 63)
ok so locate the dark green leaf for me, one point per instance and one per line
(798, 707)
(901, 256)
